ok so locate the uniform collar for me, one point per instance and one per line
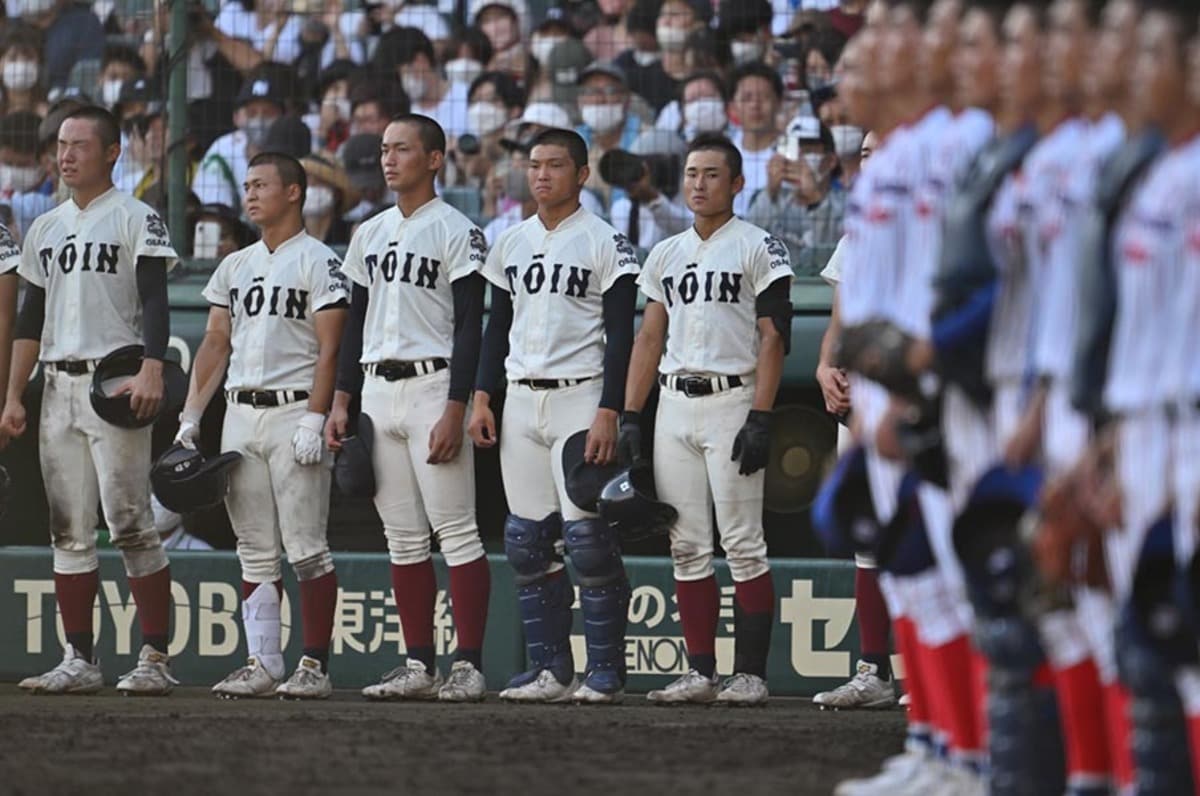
(99, 200)
(292, 241)
(718, 232)
(422, 209)
(566, 222)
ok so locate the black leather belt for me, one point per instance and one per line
(73, 367)
(260, 399)
(697, 386)
(394, 369)
(551, 384)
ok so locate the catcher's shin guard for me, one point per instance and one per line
(603, 596)
(544, 599)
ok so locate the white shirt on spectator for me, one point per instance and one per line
(754, 169)
(657, 220)
(235, 21)
(451, 112)
(211, 183)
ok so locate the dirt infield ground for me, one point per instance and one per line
(192, 743)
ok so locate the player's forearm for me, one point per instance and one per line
(468, 335)
(495, 343)
(24, 358)
(643, 367)
(156, 313)
(832, 333)
(330, 323)
(240, 53)
(769, 372)
(208, 369)
(620, 302)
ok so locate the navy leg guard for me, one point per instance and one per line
(603, 598)
(1160, 747)
(544, 601)
(1025, 746)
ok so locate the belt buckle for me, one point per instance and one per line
(692, 386)
(254, 394)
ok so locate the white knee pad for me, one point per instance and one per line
(314, 566)
(460, 543)
(76, 562)
(408, 546)
(142, 552)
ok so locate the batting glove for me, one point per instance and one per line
(752, 443)
(307, 445)
(189, 431)
(629, 438)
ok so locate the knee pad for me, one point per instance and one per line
(1161, 603)
(530, 545)
(407, 546)
(1011, 645)
(594, 551)
(314, 566)
(142, 552)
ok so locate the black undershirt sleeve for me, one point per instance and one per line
(620, 303)
(468, 334)
(32, 315)
(495, 342)
(349, 370)
(156, 310)
(776, 303)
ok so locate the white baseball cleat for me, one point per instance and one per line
(692, 687)
(250, 681)
(866, 689)
(898, 773)
(410, 681)
(151, 676)
(585, 695)
(307, 682)
(905, 700)
(545, 688)
(465, 684)
(74, 675)
(743, 690)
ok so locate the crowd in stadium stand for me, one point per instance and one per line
(637, 78)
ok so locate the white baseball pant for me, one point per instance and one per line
(1185, 471)
(1065, 432)
(970, 445)
(693, 471)
(1143, 473)
(86, 460)
(276, 505)
(413, 495)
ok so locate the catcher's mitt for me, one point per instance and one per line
(1068, 546)
(879, 351)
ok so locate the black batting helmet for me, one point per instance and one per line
(115, 370)
(584, 480)
(629, 504)
(352, 469)
(184, 481)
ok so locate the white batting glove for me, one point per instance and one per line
(307, 445)
(189, 431)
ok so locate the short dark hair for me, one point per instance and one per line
(1183, 16)
(506, 88)
(123, 53)
(756, 69)
(709, 75)
(290, 170)
(19, 131)
(474, 40)
(715, 142)
(387, 94)
(400, 47)
(433, 137)
(569, 139)
(107, 126)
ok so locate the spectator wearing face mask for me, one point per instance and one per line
(70, 33)
(495, 100)
(642, 62)
(140, 170)
(23, 184)
(558, 79)
(331, 123)
(756, 92)
(223, 168)
(610, 37)
(745, 25)
(373, 103)
(119, 65)
(360, 159)
(20, 71)
(408, 53)
(550, 31)
(676, 20)
(701, 107)
(466, 56)
(506, 24)
(328, 198)
(802, 203)
(608, 122)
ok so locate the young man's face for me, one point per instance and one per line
(267, 200)
(1067, 42)
(756, 104)
(406, 164)
(553, 176)
(1021, 83)
(1161, 82)
(708, 183)
(977, 61)
(83, 160)
(1107, 76)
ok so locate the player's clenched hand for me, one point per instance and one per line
(145, 389)
(482, 427)
(601, 447)
(753, 442)
(13, 420)
(445, 438)
(336, 427)
(629, 440)
(306, 442)
(835, 388)
(189, 431)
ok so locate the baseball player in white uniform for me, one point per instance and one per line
(719, 299)
(95, 270)
(561, 322)
(276, 317)
(10, 260)
(415, 326)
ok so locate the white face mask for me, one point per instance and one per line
(414, 87)
(20, 75)
(603, 118)
(643, 58)
(814, 161)
(706, 114)
(31, 8)
(256, 130)
(540, 48)
(744, 52)
(110, 91)
(670, 38)
(847, 140)
(485, 117)
(318, 201)
(341, 107)
(19, 179)
(463, 70)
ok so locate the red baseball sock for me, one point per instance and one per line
(76, 594)
(248, 588)
(1120, 733)
(919, 712)
(872, 614)
(415, 589)
(952, 670)
(152, 595)
(699, 606)
(1081, 712)
(470, 585)
(318, 602)
(754, 600)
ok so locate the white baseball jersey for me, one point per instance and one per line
(708, 288)
(10, 252)
(408, 265)
(1181, 374)
(1059, 216)
(557, 279)
(273, 298)
(86, 260)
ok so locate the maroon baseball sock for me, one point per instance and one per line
(872, 614)
(754, 612)
(470, 585)
(76, 594)
(699, 605)
(248, 588)
(152, 595)
(415, 589)
(318, 601)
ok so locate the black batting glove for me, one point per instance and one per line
(629, 438)
(753, 443)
